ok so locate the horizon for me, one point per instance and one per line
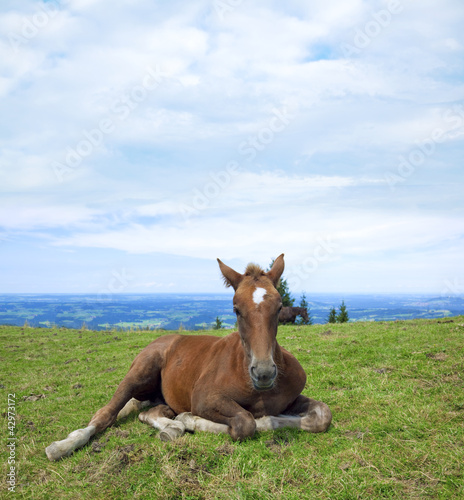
(225, 294)
(196, 311)
(170, 134)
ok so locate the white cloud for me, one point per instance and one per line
(37, 217)
(322, 174)
(360, 251)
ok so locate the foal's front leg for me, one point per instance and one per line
(237, 421)
(192, 423)
(304, 413)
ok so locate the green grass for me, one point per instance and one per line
(396, 391)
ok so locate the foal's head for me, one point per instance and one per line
(257, 304)
(304, 313)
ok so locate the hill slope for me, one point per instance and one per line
(395, 390)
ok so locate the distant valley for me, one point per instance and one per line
(199, 311)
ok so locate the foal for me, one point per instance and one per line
(235, 384)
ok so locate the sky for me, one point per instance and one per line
(140, 141)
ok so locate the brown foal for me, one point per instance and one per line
(236, 384)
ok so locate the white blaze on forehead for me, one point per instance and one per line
(258, 295)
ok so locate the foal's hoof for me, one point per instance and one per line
(55, 451)
(172, 431)
(318, 420)
(187, 419)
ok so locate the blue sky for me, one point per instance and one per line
(140, 141)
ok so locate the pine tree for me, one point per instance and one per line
(282, 288)
(304, 303)
(218, 324)
(342, 316)
(332, 317)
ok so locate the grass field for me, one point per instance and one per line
(396, 391)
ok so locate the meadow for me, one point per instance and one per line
(396, 391)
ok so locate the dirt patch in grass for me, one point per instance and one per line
(119, 433)
(225, 450)
(383, 370)
(125, 453)
(439, 356)
(73, 360)
(33, 397)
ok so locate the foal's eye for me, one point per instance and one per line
(236, 311)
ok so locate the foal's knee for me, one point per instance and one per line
(242, 426)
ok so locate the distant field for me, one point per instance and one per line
(199, 311)
(396, 390)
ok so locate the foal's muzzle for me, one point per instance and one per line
(263, 375)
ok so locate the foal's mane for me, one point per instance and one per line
(254, 271)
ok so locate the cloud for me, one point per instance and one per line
(121, 120)
(256, 208)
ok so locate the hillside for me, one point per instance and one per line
(395, 390)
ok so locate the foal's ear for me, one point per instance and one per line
(276, 270)
(231, 278)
